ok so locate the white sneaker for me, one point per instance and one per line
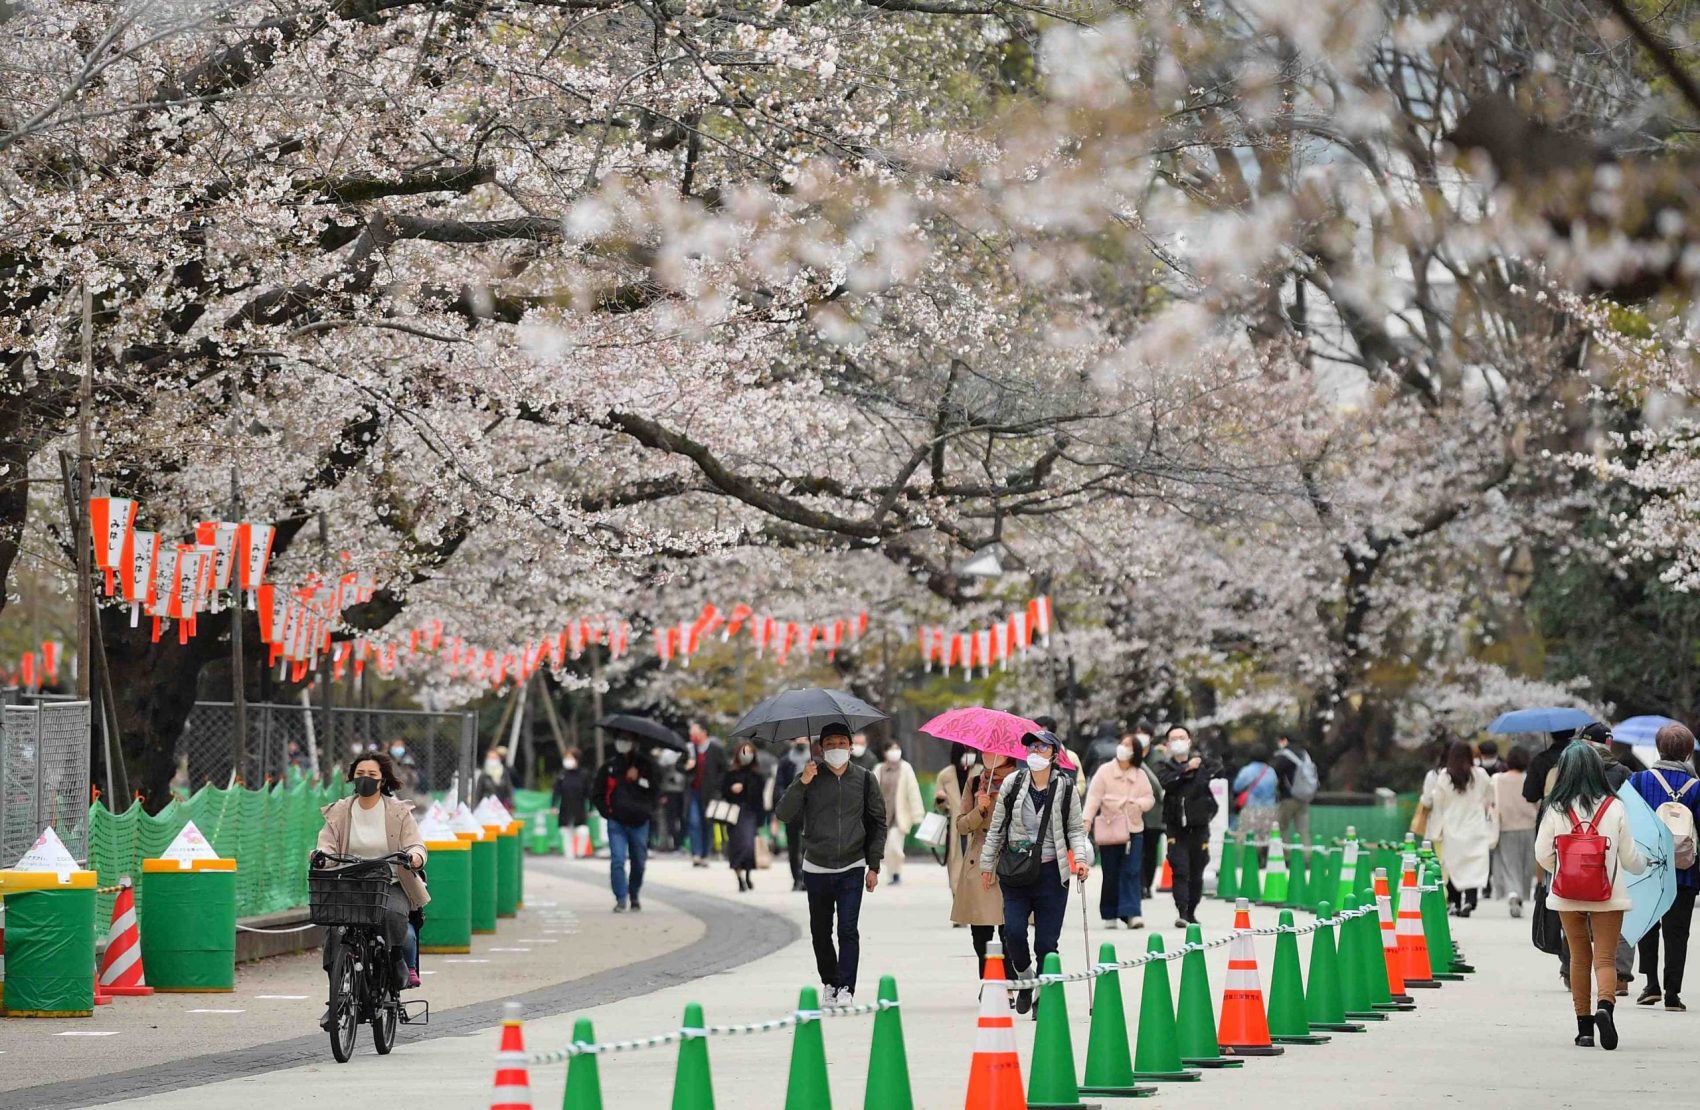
(828, 995)
(843, 997)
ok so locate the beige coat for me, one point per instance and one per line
(969, 904)
(403, 832)
(947, 799)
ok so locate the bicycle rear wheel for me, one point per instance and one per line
(384, 1025)
(345, 1007)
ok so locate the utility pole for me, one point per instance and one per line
(238, 683)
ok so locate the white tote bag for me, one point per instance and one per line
(934, 830)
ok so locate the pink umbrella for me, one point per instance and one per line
(987, 730)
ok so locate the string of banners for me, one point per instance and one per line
(1000, 643)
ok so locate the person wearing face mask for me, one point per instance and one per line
(860, 754)
(1117, 801)
(625, 791)
(494, 781)
(372, 823)
(406, 771)
(743, 786)
(791, 765)
(972, 904)
(1188, 807)
(706, 766)
(844, 830)
(949, 786)
(571, 786)
(1036, 815)
(1152, 755)
(901, 794)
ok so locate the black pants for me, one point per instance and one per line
(837, 895)
(1148, 859)
(1674, 925)
(794, 849)
(1189, 851)
(671, 827)
(1461, 899)
(983, 936)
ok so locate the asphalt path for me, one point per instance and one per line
(133, 1053)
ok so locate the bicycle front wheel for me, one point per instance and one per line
(345, 1007)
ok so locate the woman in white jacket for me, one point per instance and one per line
(1582, 795)
(901, 793)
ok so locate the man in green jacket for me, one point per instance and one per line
(843, 819)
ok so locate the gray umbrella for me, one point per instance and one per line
(804, 713)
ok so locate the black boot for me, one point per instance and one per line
(1605, 1023)
(1584, 1031)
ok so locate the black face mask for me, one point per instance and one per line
(367, 787)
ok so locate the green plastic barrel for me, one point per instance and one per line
(189, 925)
(507, 870)
(518, 828)
(49, 944)
(483, 884)
(448, 917)
(542, 834)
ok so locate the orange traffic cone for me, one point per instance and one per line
(1413, 946)
(513, 1082)
(121, 968)
(994, 1080)
(101, 998)
(1389, 939)
(1167, 880)
(1244, 1028)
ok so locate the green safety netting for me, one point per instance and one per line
(268, 832)
(1372, 822)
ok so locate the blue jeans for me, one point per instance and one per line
(1046, 901)
(1124, 876)
(624, 840)
(410, 947)
(696, 826)
(839, 894)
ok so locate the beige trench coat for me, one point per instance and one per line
(969, 904)
(403, 833)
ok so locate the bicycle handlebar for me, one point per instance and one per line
(400, 859)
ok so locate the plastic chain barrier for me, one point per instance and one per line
(1178, 953)
(796, 1017)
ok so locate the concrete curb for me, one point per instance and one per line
(734, 934)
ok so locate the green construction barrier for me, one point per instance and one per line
(448, 918)
(507, 871)
(189, 927)
(543, 833)
(269, 832)
(484, 885)
(1373, 822)
(49, 944)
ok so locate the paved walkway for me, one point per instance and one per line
(1504, 1034)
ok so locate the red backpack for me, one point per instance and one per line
(1582, 875)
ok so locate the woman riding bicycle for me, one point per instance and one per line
(371, 824)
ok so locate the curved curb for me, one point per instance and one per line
(734, 934)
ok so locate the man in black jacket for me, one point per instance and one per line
(705, 768)
(1535, 778)
(1188, 807)
(843, 818)
(626, 790)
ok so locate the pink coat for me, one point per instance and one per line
(1118, 789)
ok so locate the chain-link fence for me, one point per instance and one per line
(291, 742)
(44, 776)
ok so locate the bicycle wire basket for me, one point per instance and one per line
(357, 894)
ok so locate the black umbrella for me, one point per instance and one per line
(642, 728)
(804, 713)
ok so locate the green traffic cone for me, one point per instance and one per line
(1374, 956)
(693, 1088)
(1050, 1084)
(1195, 1014)
(1157, 1055)
(807, 1088)
(1298, 874)
(1347, 878)
(1228, 870)
(888, 1060)
(1251, 871)
(1289, 1023)
(1324, 877)
(584, 1085)
(1109, 1062)
(1354, 991)
(1325, 1006)
(1275, 882)
(1437, 932)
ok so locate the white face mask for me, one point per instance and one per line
(1144, 741)
(893, 755)
(856, 749)
(1179, 749)
(1037, 762)
(493, 768)
(967, 759)
(836, 758)
(1124, 753)
(746, 757)
(622, 746)
(570, 764)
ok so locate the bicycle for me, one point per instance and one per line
(352, 897)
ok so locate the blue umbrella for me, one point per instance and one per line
(1639, 731)
(1651, 892)
(1549, 719)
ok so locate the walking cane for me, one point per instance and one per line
(1085, 941)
